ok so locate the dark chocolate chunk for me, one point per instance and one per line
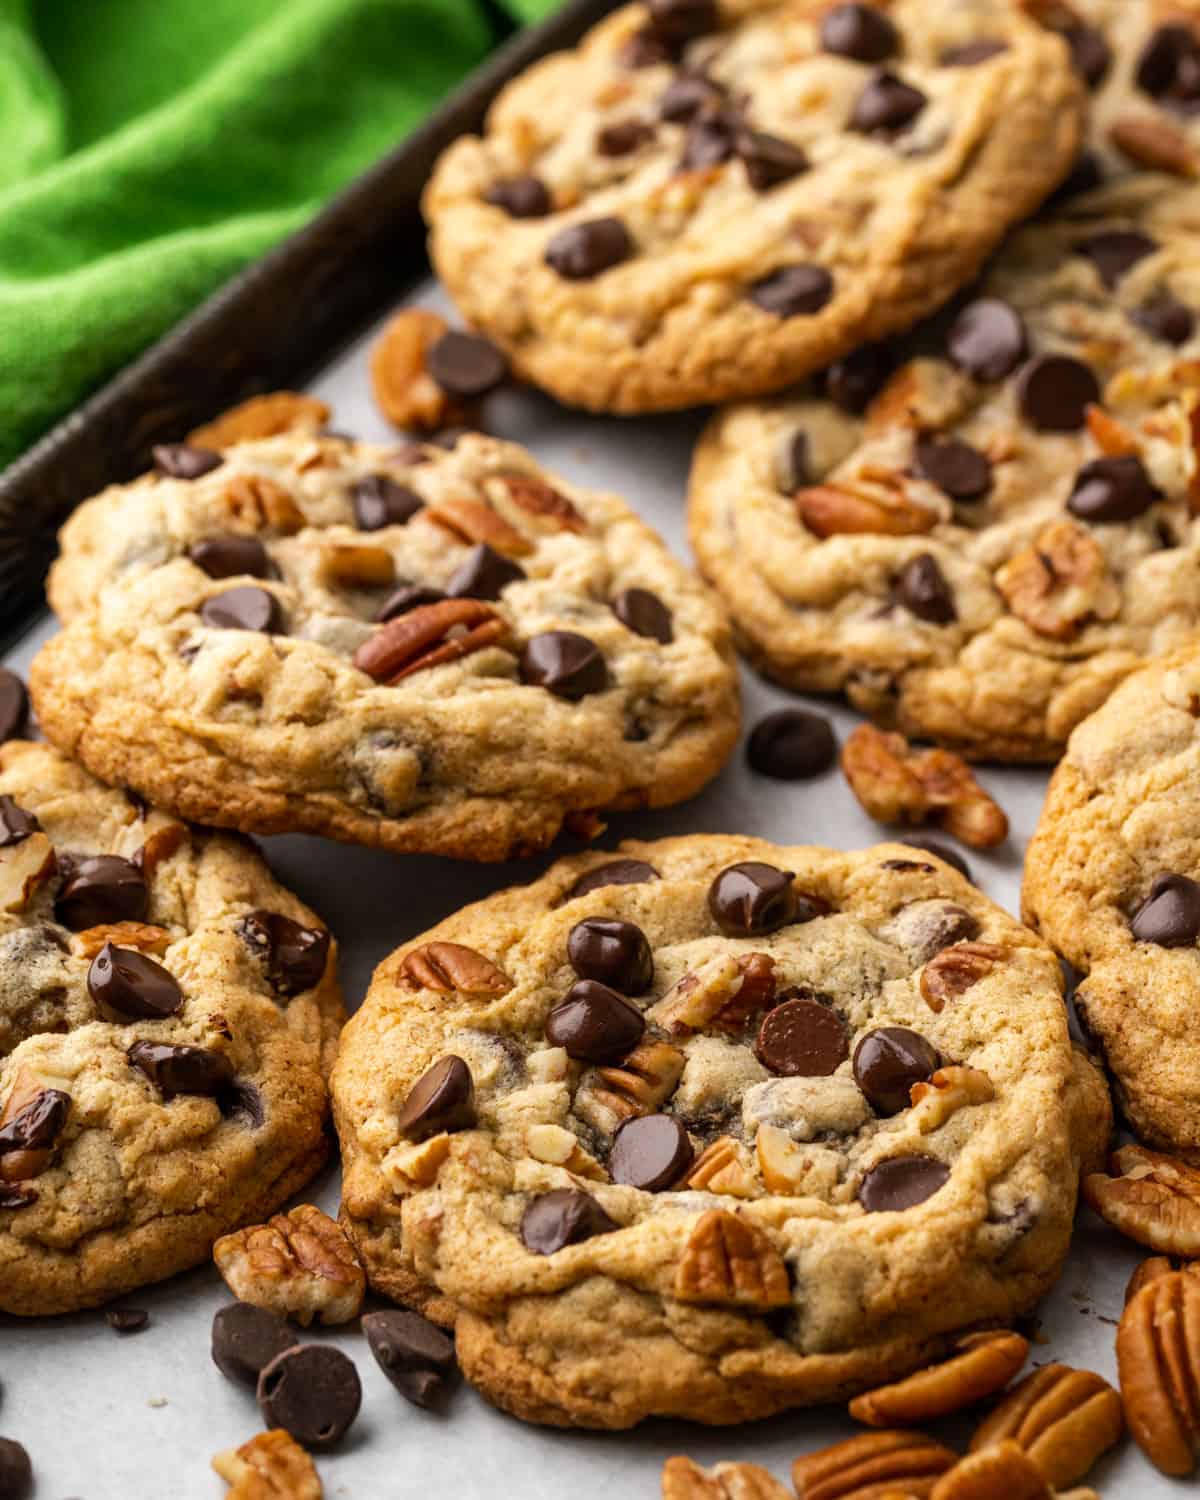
(37, 1126)
(958, 469)
(768, 159)
(242, 1101)
(1112, 489)
(295, 955)
(132, 986)
(1170, 915)
(797, 464)
(560, 1218)
(613, 952)
(177, 1069)
(14, 705)
(921, 588)
(407, 596)
(1054, 392)
(616, 872)
(182, 461)
(623, 136)
(414, 1354)
(565, 664)
(231, 556)
(245, 1339)
(15, 823)
(853, 382)
(752, 898)
(679, 21)
(709, 141)
(483, 574)
(1091, 56)
(970, 54)
(802, 1038)
(583, 250)
(888, 1061)
(595, 1024)
(99, 890)
(644, 613)
(988, 339)
(791, 744)
(860, 32)
(520, 197)
(245, 608)
(312, 1391)
(687, 95)
(443, 1098)
(16, 1472)
(466, 365)
(1169, 67)
(650, 1152)
(379, 501)
(886, 105)
(1164, 317)
(901, 1182)
(793, 291)
(126, 1319)
(1115, 252)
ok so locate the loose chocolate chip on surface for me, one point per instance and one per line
(687, 95)
(483, 574)
(180, 461)
(1054, 392)
(583, 250)
(562, 1217)
(379, 501)
(565, 664)
(650, 1152)
(793, 291)
(176, 1069)
(644, 613)
(14, 705)
(312, 1391)
(802, 1038)
(853, 382)
(943, 851)
(888, 1061)
(126, 1319)
(1091, 56)
(15, 823)
(245, 1339)
(613, 952)
(860, 32)
(1164, 317)
(791, 744)
(886, 105)
(752, 898)
(623, 136)
(1169, 67)
(38, 1125)
(1170, 915)
(616, 872)
(676, 21)
(901, 1182)
(768, 159)
(958, 469)
(231, 556)
(246, 608)
(132, 986)
(970, 54)
(466, 365)
(594, 1024)
(295, 955)
(101, 889)
(922, 589)
(16, 1471)
(408, 596)
(520, 197)
(1112, 489)
(988, 339)
(414, 1354)
(443, 1098)
(1115, 252)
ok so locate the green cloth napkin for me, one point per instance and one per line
(150, 148)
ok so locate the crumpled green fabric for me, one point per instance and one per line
(150, 148)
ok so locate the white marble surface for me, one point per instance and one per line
(137, 1418)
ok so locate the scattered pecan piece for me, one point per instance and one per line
(261, 417)
(985, 1363)
(475, 521)
(1064, 1419)
(358, 567)
(406, 394)
(721, 1168)
(829, 510)
(1005, 1472)
(543, 502)
(299, 1264)
(642, 1081)
(1154, 144)
(559, 1147)
(1151, 1197)
(1060, 583)
(725, 992)
(428, 637)
(953, 971)
(23, 868)
(867, 1467)
(684, 1480)
(139, 935)
(1158, 1363)
(450, 967)
(416, 1164)
(946, 1092)
(271, 1466)
(257, 504)
(1110, 436)
(728, 1259)
(897, 784)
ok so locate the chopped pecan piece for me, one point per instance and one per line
(1158, 1362)
(984, 1364)
(953, 971)
(1113, 439)
(405, 392)
(257, 504)
(721, 1168)
(450, 967)
(725, 992)
(549, 508)
(897, 784)
(1155, 144)
(642, 1081)
(358, 567)
(139, 935)
(729, 1259)
(271, 1466)
(1151, 1197)
(261, 417)
(559, 1147)
(868, 1467)
(829, 510)
(1064, 1419)
(474, 521)
(299, 1264)
(787, 1167)
(1060, 583)
(416, 1164)
(946, 1092)
(684, 1480)
(23, 868)
(428, 637)
(160, 846)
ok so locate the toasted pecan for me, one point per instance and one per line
(729, 1259)
(429, 636)
(982, 1364)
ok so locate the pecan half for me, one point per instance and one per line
(985, 1363)
(728, 1259)
(474, 521)
(724, 992)
(450, 967)
(897, 784)
(356, 567)
(549, 508)
(953, 971)
(722, 1168)
(1005, 1472)
(946, 1092)
(429, 637)
(1152, 1268)
(299, 1264)
(1151, 1197)
(1064, 1419)
(139, 935)
(642, 1081)
(261, 417)
(23, 868)
(1154, 144)
(271, 1466)
(1060, 583)
(257, 504)
(830, 510)
(866, 1467)
(406, 394)
(1158, 1363)
(684, 1480)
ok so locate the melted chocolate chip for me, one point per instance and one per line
(246, 608)
(15, 1195)
(15, 823)
(860, 32)
(414, 1354)
(752, 898)
(650, 1152)
(644, 613)
(231, 556)
(1169, 67)
(958, 469)
(38, 1125)
(791, 744)
(887, 1063)
(987, 339)
(1091, 56)
(131, 986)
(1164, 317)
(623, 136)
(688, 95)
(407, 596)
(886, 105)
(245, 1339)
(901, 1182)
(768, 159)
(970, 54)
(1170, 915)
(520, 197)
(595, 1024)
(679, 21)
(853, 382)
(443, 1098)
(1112, 489)
(802, 1038)
(466, 365)
(312, 1391)
(379, 501)
(616, 872)
(483, 574)
(793, 291)
(242, 1101)
(14, 705)
(921, 588)
(560, 1218)
(583, 250)
(181, 461)
(612, 951)
(1054, 392)
(565, 664)
(101, 889)
(295, 955)
(1115, 252)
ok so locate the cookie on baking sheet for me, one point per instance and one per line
(168, 1015)
(428, 650)
(710, 198)
(1112, 880)
(713, 1128)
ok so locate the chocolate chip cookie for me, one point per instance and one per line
(708, 200)
(168, 1016)
(428, 650)
(713, 1128)
(1112, 879)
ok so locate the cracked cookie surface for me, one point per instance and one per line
(708, 201)
(431, 651)
(710, 1127)
(168, 1016)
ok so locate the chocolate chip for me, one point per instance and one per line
(231, 556)
(988, 339)
(751, 898)
(921, 588)
(1169, 67)
(407, 596)
(14, 705)
(16, 1472)
(901, 1182)
(887, 1063)
(768, 159)
(860, 32)
(583, 250)
(379, 501)
(1112, 489)
(650, 1152)
(520, 197)
(644, 50)
(853, 382)
(177, 1069)
(1164, 317)
(970, 54)
(16, 1195)
(1091, 56)
(791, 744)
(562, 1217)
(242, 1101)
(1054, 392)
(101, 889)
(616, 872)
(613, 952)
(414, 1354)
(793, 291)
(245, 1339)
(312, 1391)
(958, 469)
(644, 613)
(709, 141)
(126, 1319)
(483, 574)
(295, 955)
(466, 365)
(802, 1038)
(688, 95)
(886, 105)
(180, 461)
(132, 986)
(15, 823)
(595, 1024)
(943, 851)
(565, 664)
(623, 136)
(797, 463)
(1115, 252)
(1170, 915)
(246, 608)
(38, 1125)
(678, 21)
(443, 1098)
